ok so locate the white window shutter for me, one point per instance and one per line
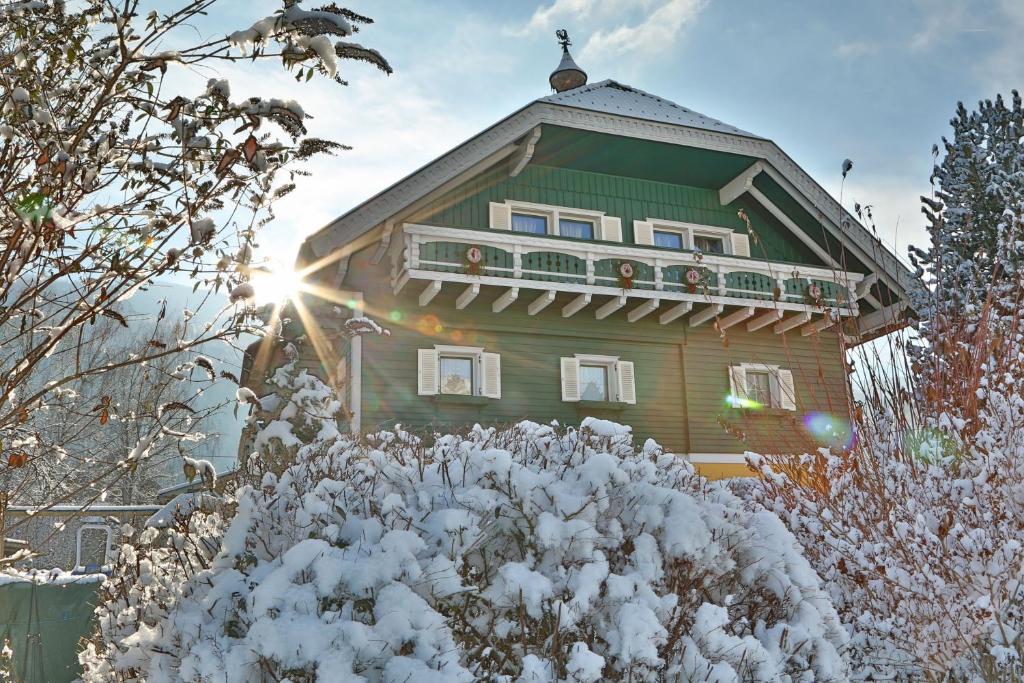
(737, 382)
(611, 228)
(570, 379)
(491, 375)
(501, 216)
(627, 383)
(740, 244)
(429, 372)
(643, 232)
(787, 390)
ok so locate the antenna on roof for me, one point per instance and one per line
(568, 75)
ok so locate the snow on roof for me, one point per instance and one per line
(183, 504)
(612, 97)
(62, 509)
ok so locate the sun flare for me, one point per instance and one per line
(277, 283)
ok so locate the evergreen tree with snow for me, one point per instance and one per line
(975, 215)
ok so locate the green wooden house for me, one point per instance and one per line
(603, 252)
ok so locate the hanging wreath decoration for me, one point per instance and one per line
(474, 261)
(626, 273)
(692, 280)
(813, 293)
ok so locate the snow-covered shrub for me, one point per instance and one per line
(918, 531)
(522, 554)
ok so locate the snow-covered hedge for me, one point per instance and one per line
(523, 554)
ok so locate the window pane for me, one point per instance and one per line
(583, 230)
(709, 245)
(759, 388)
(594, 382)
(521, 222)
(671, 240)
(456, 376)
(93, 550)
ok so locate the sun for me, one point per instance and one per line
(276, 283)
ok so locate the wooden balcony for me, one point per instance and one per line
(675, 283)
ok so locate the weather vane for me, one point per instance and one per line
(563, 38)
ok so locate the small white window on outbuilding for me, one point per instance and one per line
(598, 378)
(459, 371)
(756, 385)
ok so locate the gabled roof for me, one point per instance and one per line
(612, 97)
(617, 109)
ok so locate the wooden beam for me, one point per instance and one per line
(883, 317)
(525, 154)
(615, 304)
(736, 317)
(400, 283)
(642, 310)
(430, 292)
(706, 315)
(677, 311)
(791, 322)
(467, 296)
(864, 286)
(764, 320)
(541, 302)
(576, 305)
(739, 185)
(505, 300)
(817, 326)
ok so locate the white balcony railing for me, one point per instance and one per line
(554, 264)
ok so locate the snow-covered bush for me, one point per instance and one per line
(529, 553)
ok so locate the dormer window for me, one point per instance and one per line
(709, 244)
(576, 229)
(668, 240)
(531, 223)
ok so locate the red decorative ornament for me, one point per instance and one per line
(474, 260)
(626, 273)
(814, 293)
(692, 279)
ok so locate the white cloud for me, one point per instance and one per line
(637, 27)
(856, 48)
(654, 34)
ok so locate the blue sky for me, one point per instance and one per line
(873, 81)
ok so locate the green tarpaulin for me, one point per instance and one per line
(43, 622)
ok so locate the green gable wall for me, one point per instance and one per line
(681, 372)
(628, 198)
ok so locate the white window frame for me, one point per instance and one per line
(612, 378)
(775, 383)
(78, 542)
(554, 214)
(474, 353)
(480, 381)
(691, 230)
(621, 377)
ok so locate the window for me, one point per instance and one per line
(597, 378)
(581, 230)
(458, 371)
(669, 240)
(92, 546)
(456, 375)
(708, 244)
(547, 219)
(755, 386)
(593, 382)
(708, 239)
(759, 387)
(524, 222)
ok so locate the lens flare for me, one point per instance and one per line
(395, 316)
(429, 325)
(829, 430)
(929, 445)
(744, 403)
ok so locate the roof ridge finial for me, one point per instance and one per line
(568, 75)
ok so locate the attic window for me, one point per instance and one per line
(668, 240)
(708, 244)
(531, 223)
(576, 229)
